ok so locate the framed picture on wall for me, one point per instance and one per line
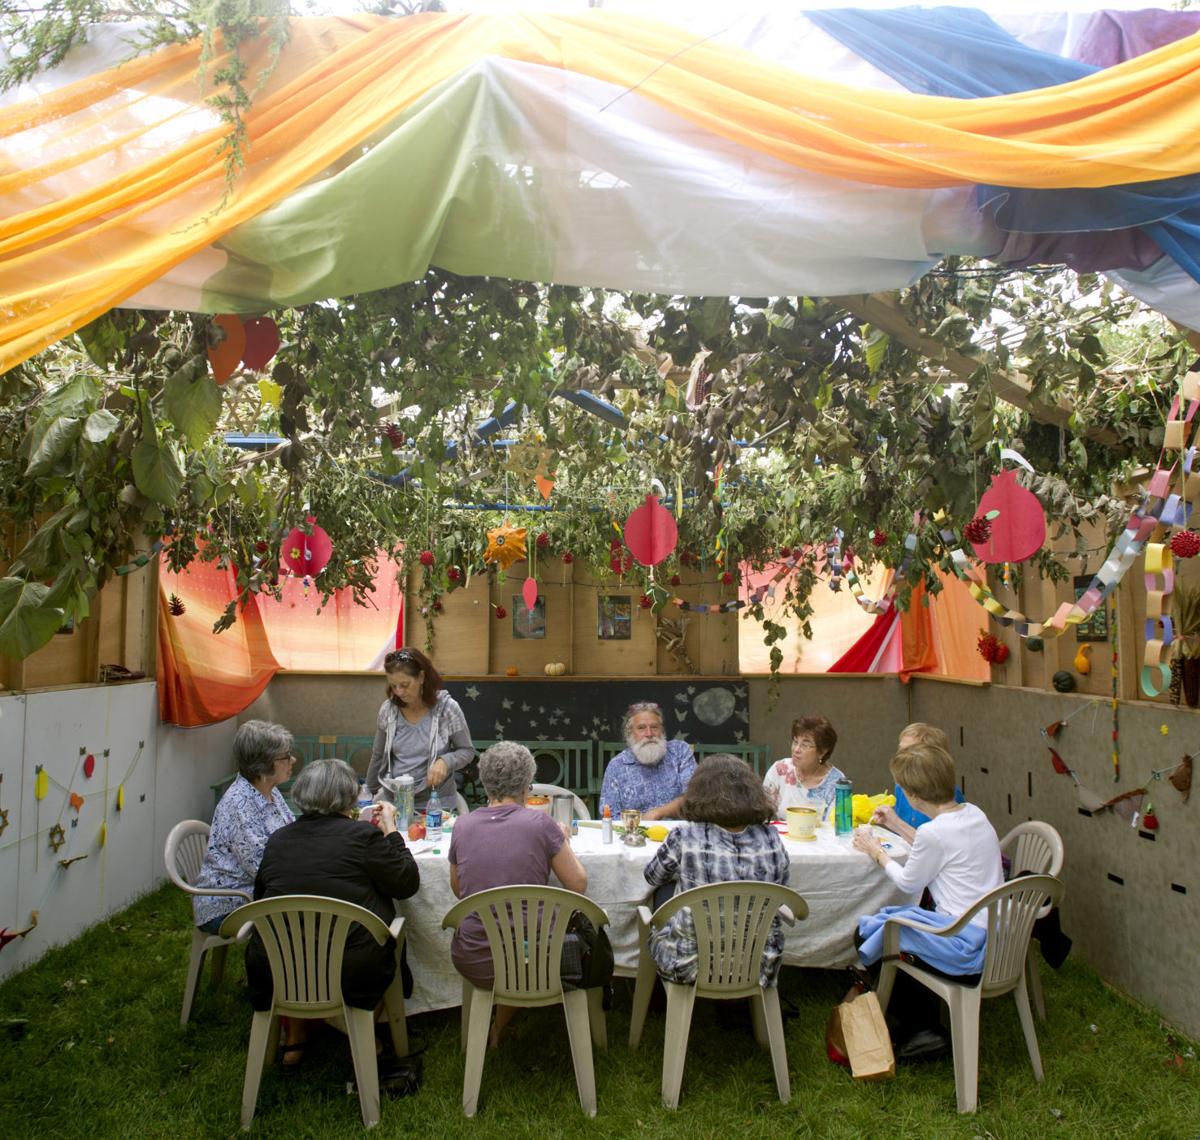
(1096, 627)
(614, 617)
(528, 623)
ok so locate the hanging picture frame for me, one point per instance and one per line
(528, 624)
(614, 617)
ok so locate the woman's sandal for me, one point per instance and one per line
(293, 1051)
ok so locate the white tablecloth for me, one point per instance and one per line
(838, 883)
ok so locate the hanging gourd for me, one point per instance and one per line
(1018, 521)
(651, 533)
(41, 783)
(304, 554)
(505, 545)
(1063, 681)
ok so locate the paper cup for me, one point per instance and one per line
(802, 823)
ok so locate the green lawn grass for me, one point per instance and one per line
(93, 1048)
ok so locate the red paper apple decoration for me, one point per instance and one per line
(1019, 525)
(262, 342)
(650, 532)
(306, 554)
(225, 356)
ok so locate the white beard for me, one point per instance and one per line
(649, 752)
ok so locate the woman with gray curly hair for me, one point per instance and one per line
(329, 852)
(504, 844)
(250, 810)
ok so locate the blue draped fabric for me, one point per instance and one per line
(962, 53)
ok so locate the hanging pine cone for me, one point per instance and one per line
(1185, 544)
(175, 606)
(978, 530)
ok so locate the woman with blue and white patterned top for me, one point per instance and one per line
(806, 778)
(727, 838)
(250, 810)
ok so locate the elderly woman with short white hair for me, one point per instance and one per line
(329, 852)
(251, 809)
(501, 845)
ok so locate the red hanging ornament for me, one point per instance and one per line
(501, 613)
(454, 574)
(175, 606)
(543, 540)
(1149, 819)
(437, 606)
(651, 532)
(568, 558)
(645, 601)
(426, 558)
(262, 342)
(619, 559)
(1018, 524)
(685, 558)
(1185, 544)
(1059, 765)
(261, 547)
(879, 538)
(979, 529)
(306, 554)
(393, 434)
(227, 342)
(89, 765)
(785, 552)
(726, 578)
(675, 579)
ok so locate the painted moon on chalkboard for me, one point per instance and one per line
(714, 706)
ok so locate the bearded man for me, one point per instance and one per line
(653, 772)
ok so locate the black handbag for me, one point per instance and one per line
(587, 955)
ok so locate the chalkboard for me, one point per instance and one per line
(701, 712)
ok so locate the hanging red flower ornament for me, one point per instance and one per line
(726, 579)
(393, 434)
(454, 574)
(261, 547)
(426, 558)
(879, 537)
(568, 558)
(651, 532)
(501, 613)
(304, 554)
(175, 606)
(1149, 819)
(675, 579)
(543, 540)
(992, 649)
(978, 530)
(685, 558)
(437, 606)
(505, 545)
(785, 552)
(645, 601)
(1185, 544)
(89, 765)
(620, 560)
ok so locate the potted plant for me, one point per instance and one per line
(1187, 641)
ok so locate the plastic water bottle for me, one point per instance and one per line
(843, 808)
(404, 802)
(365, 803)
(433, 818)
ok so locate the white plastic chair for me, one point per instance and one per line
(461, 807)
(732, 921)
(1034, 848)
(525, 927)
(578, 807)
(1011, 910)
(305, 939)
(184, 855)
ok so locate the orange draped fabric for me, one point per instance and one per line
(120, 176)
(206, 677)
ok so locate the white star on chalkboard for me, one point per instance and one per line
(739, 736)
(740, 690)
(541, 708)
(498, 731)
(542, 736)
(506, 703)
(533, 724)
(472, 692)
(525, 707)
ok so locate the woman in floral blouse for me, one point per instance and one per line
(250, 810)
(806, 778)
(727, 838)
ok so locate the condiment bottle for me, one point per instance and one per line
(606, 834)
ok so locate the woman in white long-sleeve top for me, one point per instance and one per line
(420, 732)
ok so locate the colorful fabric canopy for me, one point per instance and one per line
(604, 149)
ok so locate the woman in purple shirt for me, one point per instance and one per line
(504, 844)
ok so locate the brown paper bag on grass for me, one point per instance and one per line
(858, 1024)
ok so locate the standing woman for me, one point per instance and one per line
(421, 731)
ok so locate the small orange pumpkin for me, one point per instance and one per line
(511, 671)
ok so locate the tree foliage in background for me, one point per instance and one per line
(812, 418)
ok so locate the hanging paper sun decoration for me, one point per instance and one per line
(505, 545)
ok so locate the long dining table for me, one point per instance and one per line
(839, 884)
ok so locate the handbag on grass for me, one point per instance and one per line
(587, 955)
